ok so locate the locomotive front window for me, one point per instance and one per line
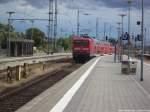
(81, 43)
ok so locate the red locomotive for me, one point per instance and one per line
(84, 47)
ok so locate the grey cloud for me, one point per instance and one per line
(38, 3)
(5, 1)
(110, 3)
(82, 4)
(94, 4)
(34, 3)
(123, 3)
(91, 4)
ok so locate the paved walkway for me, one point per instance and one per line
(104, 90)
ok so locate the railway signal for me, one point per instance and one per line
(106, 38)
(139, 37)
(138, 23)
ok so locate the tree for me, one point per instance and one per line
(4, 28)
(37, 35)
(112, 41)
(64, 42)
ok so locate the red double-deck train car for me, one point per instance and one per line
(101, 49)
(83, 47)
(104, 48)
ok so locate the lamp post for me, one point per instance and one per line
(105, 25)
(78, 21)
(9, 30)
(55, 25)
(32, 22)
(110, 30)
(142, 43)
(119, 43)
(97, 26)
(145, 33)
(122, 16)
(129, 24)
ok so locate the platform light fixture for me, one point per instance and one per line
(122, 16)
(142, 43)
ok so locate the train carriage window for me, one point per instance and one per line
(81, 43)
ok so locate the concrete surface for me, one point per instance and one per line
(104, 90)
(5, 62)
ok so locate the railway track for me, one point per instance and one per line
(18, 98)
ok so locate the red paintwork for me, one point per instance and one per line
(105, 48)
(101, 49)
(84, 52)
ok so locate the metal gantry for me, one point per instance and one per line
(50, 24)
(52, 27)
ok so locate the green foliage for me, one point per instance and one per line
(64, 43)
(112, 41)
(4, 28)
(37, 35)
(2, 37)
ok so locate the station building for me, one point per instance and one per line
(21, 47)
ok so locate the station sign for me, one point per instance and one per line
(125, 36)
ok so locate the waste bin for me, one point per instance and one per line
(125, 67)
(133, 66)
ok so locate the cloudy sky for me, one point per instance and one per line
(106, 10)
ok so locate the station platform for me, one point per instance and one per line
(98, 86)
(14, 61)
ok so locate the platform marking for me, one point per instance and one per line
(141, 87)
(64, 101)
